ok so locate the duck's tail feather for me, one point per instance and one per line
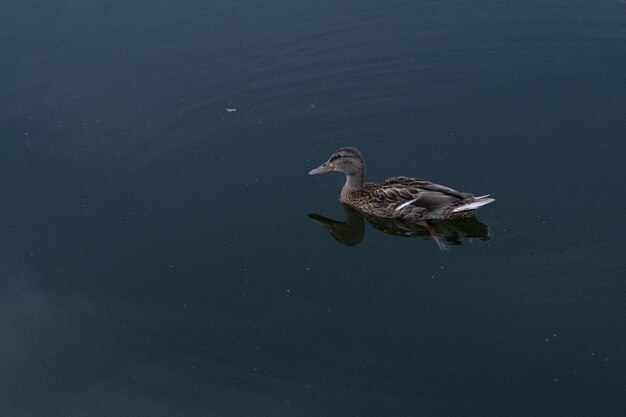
(477, 202)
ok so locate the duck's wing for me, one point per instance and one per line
(420, 193)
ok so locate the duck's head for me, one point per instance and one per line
(346, 160)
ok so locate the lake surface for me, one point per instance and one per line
(157, 254)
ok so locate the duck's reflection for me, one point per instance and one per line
(442, 232)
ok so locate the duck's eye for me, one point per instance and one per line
(339, 156)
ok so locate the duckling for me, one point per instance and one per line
(397, 197)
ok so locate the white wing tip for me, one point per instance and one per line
(403, 205)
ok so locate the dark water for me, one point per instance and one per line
(157, 255)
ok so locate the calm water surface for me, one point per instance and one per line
(157, 255)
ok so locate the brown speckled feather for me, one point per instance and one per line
(408, 198)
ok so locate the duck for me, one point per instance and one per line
(400, 197)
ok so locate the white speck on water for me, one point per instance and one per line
(230, 109)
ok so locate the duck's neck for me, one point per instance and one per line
(353, 183)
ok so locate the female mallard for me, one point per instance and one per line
(397, 197)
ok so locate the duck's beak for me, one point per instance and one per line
(322, 169)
